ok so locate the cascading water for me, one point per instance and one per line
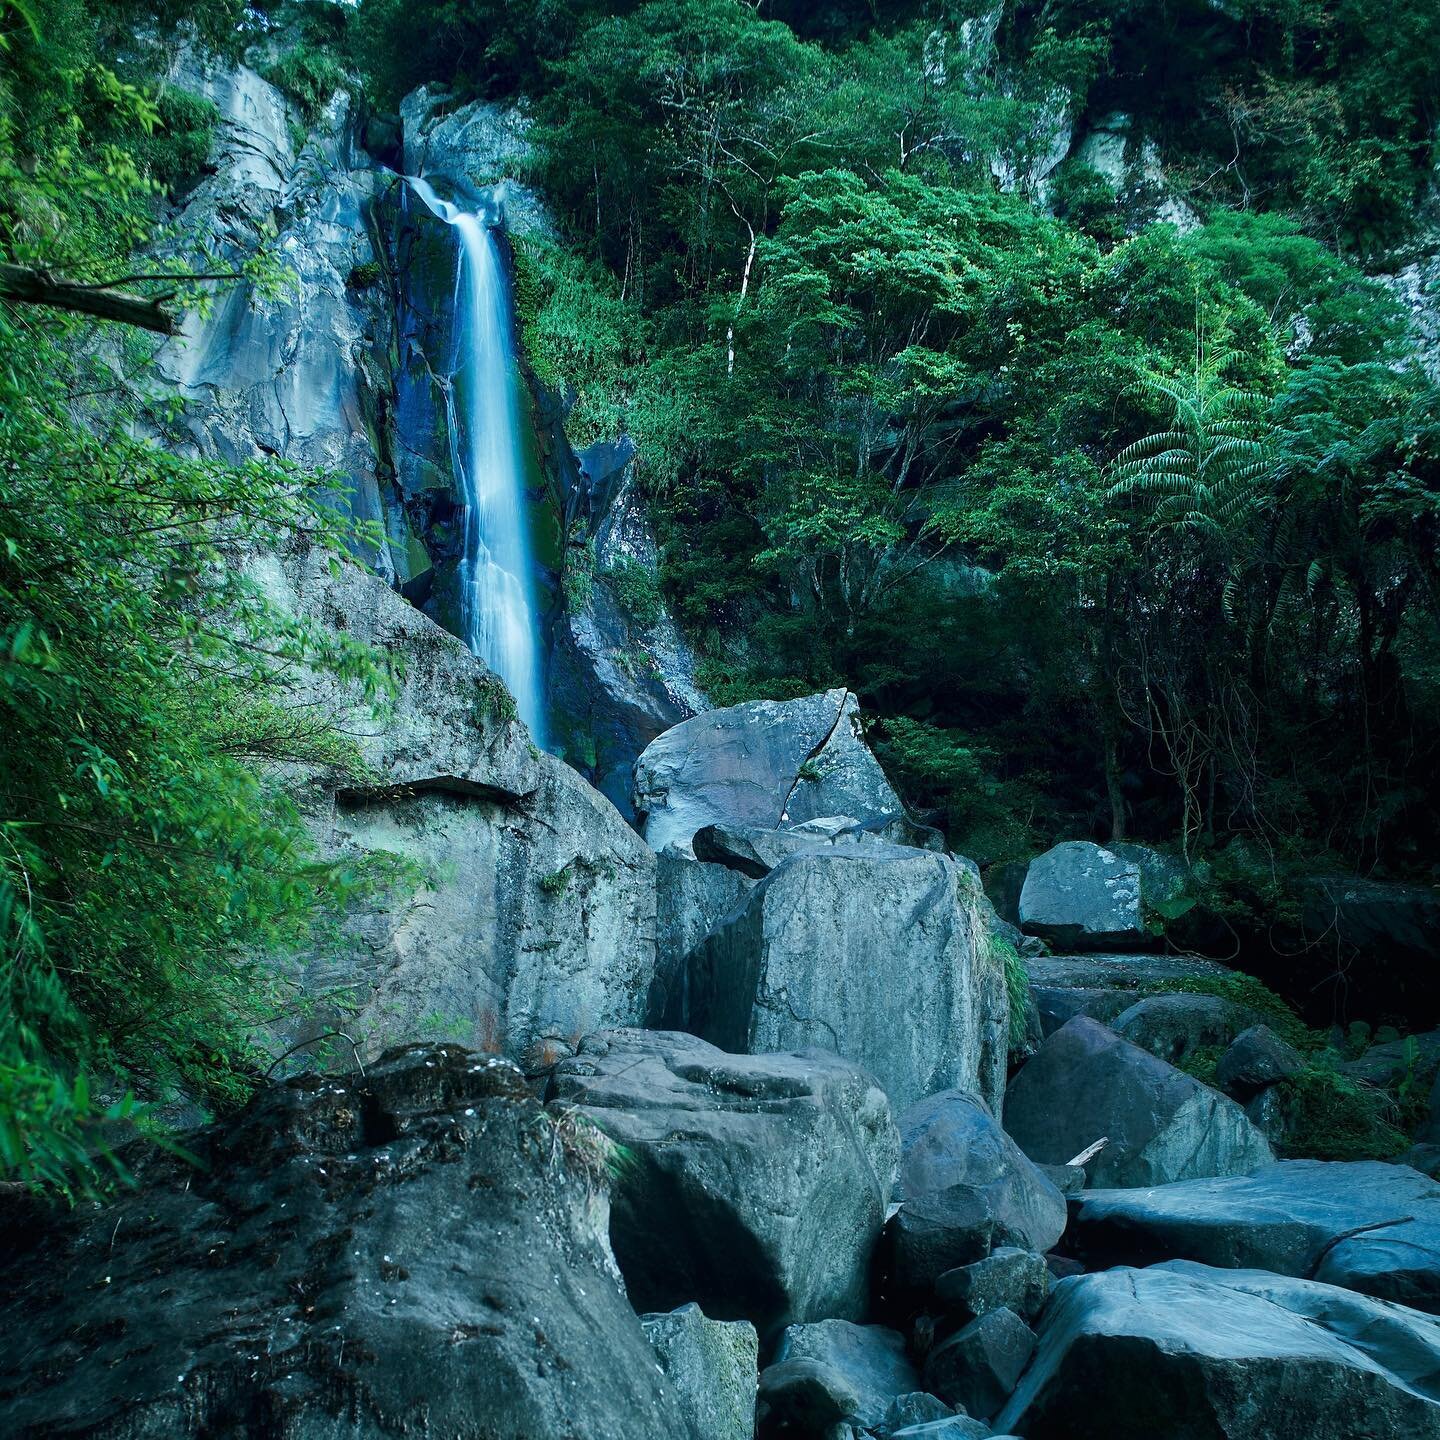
(497, 603)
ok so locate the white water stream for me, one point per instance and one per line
(497, 603)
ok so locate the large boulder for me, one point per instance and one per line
(953, 1139)
(527, 913)
(753, 1185)
(1085, 1084)
(770, 763)
(1190, 1353)
(878, 952)
(1084, 897)
(977, 1368)
(413, 1248)
(1257, 1059)
(712, 1366)
(1362, 1225)
(1175, 1026)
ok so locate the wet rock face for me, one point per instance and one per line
(878, 952)
(1192, 1353)
(418, 1248)
(769, 763)
(753, 1185)
(295, 374)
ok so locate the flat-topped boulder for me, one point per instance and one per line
(1103, 986)
(1363, 1225)
(768, 763)
(1191, 1353)
(878, 952)
(1082, 896)
(754, 1185)
(1086, 1084)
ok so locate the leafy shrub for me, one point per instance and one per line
(180, 144)
(309, 77)
(148, 857)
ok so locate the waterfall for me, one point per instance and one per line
(496, 575)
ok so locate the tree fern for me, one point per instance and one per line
(1210, 469)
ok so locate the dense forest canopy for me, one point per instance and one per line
(1117, 503)
(881, 380)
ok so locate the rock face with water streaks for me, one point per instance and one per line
(299, 374)
(415, 1249)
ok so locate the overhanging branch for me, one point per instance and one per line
(27, 286)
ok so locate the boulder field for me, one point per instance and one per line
(729, 1152)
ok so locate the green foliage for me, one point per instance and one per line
(1329, 1116)
(1251, 994)
(637, 588)
(309, 77)
(1017, 988)
(556, 883)
(177, 149)
(150, 856)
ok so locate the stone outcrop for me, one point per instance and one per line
(1173, 1027)
(977, 1368)
(1085, 1084)
(878, 952)
(867, 1364)
(1083, 897)
(1258, 1058)
(415, 1248)
(1184, 1350)
(769, 763)
(296, 373)
(1363, 1225)
(753, 1185)
(525, 913)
